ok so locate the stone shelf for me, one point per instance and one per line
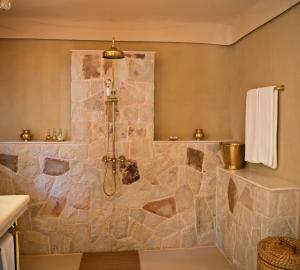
(192, 141)
(37, 142)
(270, 183)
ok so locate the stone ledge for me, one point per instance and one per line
(39, 142)
(263, 181)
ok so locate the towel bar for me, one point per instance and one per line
(14, 231)
(279, 88)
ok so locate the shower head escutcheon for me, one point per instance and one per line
(113, 52)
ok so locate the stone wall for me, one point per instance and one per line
(170, 203)
(247, 213)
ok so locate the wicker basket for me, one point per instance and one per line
(278, 253)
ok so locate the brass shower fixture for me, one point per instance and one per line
(113, 52)
(112, 100)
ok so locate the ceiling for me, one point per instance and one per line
(198, 21)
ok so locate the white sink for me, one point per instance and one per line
(11, 208)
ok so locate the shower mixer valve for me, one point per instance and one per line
(121, 160)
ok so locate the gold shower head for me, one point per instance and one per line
(113, 52)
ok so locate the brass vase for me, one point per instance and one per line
(199, 135)
(26, 136)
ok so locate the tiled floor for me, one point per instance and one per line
(188, 259)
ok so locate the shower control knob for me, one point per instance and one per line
(122, 158)
(105, 159)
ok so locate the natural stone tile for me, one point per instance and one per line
(240, 246)
(103, 243)
(208, 184)
(152, 220)
(188, 217)
(43, 185)
(21, 184)
(24, 222)
(277, 227)
(138, 214)
(172, 241)
(94, 103)
(91, 66)
(68, 216)
(97, 87)
(140, 149)
(168, 178)
(45, 225)
(137, 130)
(119, 223)
(189, 238)
(127, 244)
(32, 242)
(61, 187)
(139, 232)
(141, 70)
(130, 172)
(54, 206)
(165, 207)
(184, 198)
(246, 199)
(49, 150)
(153, 243)
(152, 170)
(83, 217)
(106, 66)
(213, 158)
(99, 224)
(81, 131)
(9, 161)
(79, 196)
(79, 92)
(55, 167)
(146, 113)
(96, 150)
(204, 215)
(6, 184)
(98, 130)
(261, 201)
(167, 228)
(130, 95)
(232, 195)
(287, 205)
(251, 257)
(29, 166)
(81, 238)
(57, 243)
(228, 233)
(207, 239)
(195, 158)
(34, 208)
(73, 151)
(194, 179)
(130, 113)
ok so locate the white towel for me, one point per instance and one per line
(7, 252)
(268, 111)
(261, 126)
(251, 132)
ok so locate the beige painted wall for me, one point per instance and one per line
(271, 56)
(190, 87)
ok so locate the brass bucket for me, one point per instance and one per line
(234, 154)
